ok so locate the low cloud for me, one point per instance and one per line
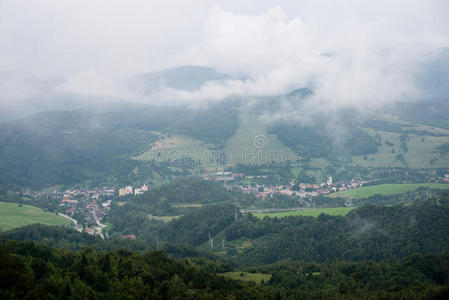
(350, 55)
(367, 65)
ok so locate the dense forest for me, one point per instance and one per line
(319, 141)
(373, 252)
(370, 232)
(37, 271)
(170, 199)
(69, 238)
(414, 277)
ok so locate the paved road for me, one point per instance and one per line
(73, 220)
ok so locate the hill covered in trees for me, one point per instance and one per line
(96, 145)
(371, 232)
(374, 251)
(100, 145)
(29, 270)
(174, 199)
(36, 271)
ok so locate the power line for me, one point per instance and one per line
(211, 241)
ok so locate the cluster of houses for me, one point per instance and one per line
(93, 204)
(71, 199)
(89, 205)
(302, 189)
(130, 190)
(446, 178)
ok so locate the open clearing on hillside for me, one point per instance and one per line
(387, 189)
(244, 276)
(164, 219)
(333, 211)
(178, 148)
(252, 144)
(188, 205)
(12, 216)
(422, 151)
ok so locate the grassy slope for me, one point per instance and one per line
(252, 125)
(387, 189)
(419, 155)
(337, 211)
(12, 216)
(384, 156)
(177, 147)
(164, 219)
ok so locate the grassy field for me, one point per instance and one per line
(253, 145)
(241, 148)
(387, 189)
(164, 219)
(177, 148)
(422, 151)
(254, 277)
(333, 211)
(384, 156)
(12, 216)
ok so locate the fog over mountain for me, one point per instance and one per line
(64, 55)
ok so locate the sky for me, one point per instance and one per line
(355, 53)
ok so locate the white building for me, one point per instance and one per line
(128, 190)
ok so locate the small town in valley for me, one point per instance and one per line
(86, 208)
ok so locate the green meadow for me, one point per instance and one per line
(422, 151)
(387, 189)
(164, 219)
(244, 276)
(14, 215)
(252, 144)
(333, 211)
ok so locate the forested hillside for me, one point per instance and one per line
(69, 238)
(318, 138)
(28, 270)
(95, 146)
(371, 232)
(374, 251)
(31, 271)
(176, 198)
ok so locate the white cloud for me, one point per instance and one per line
(276, 45)
(370, 63)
